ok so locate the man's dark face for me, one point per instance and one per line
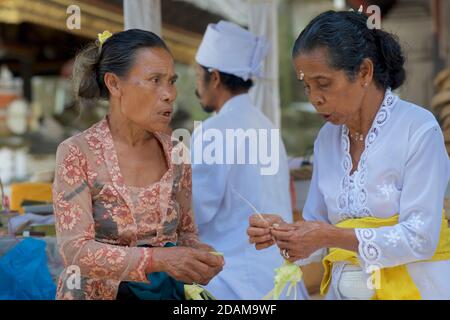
(203, 90)
(205, 108)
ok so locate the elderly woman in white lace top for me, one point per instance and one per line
(375, 204)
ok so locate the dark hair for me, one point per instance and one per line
(231, 82)
(116, 55)
(349, 41)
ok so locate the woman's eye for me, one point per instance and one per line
(324, 85)
(154, 80)
(172, 82)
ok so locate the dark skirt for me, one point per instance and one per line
(161, 287)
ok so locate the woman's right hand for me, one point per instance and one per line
(259, 229)
(186, 264)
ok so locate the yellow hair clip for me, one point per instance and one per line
(103, 36)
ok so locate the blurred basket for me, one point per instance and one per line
(440, 104)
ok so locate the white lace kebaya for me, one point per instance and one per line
(403, 170)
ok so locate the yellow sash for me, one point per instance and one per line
(395, 282)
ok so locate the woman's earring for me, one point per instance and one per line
(365, 84)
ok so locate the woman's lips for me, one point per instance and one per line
(326, 116)
(166, 114)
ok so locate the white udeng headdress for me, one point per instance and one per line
(231, 49)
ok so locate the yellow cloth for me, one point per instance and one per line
(29, 191)
(395, 282)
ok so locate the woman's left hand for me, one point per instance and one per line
(203, 246)
(300, 239)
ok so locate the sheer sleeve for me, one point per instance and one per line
(187, 229)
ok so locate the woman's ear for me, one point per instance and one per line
(365, 73)
(112, 82)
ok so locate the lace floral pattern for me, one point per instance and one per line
(100, 220)
(367, 246)
(70, 213)
(352, 200)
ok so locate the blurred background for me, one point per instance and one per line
(38, 45)
(37, 49)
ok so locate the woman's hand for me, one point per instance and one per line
(185, 264)
(259, 230)
(203, 247)
(300, 239)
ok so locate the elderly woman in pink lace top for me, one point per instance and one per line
(116, 188)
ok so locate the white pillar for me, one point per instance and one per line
(339, 4)
(263, 21)
(143, 14)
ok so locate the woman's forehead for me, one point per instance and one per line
(313, 64)
(157, 60)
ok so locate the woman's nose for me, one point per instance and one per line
(169, 94)
(317, 101)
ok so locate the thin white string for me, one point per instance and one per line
(249, 204)
(253, 207)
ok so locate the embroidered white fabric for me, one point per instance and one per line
(403, 170)
(352, 200)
